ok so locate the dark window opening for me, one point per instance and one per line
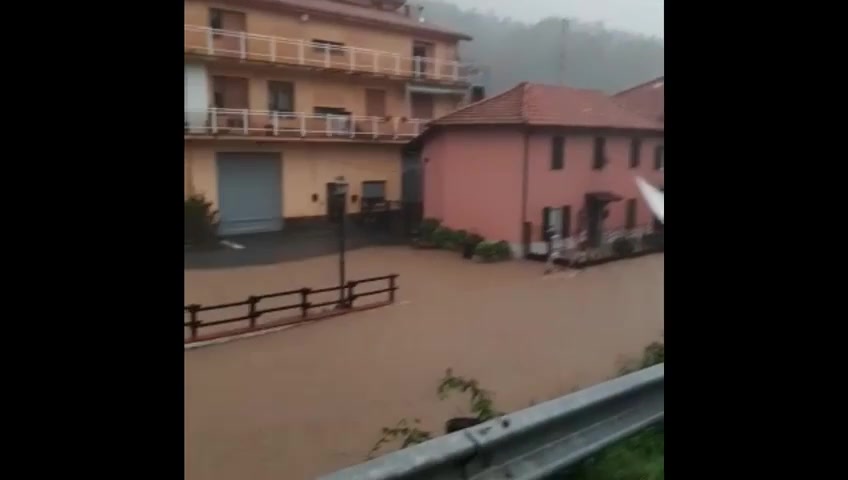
(600, 155)
(635, 152)
(373, 194)
(280, 96)
(566, 221)
(659, 158)
(337, 120)
(215, 20)
(557, 153)
(335, 48)
(631, 214)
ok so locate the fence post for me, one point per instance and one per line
(350, 296)
(304, 304)
(193, 323)
(251, 310)
(392, 286)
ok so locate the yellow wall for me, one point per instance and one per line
(280, 24)
(307, 168)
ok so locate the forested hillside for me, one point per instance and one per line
(595, 57)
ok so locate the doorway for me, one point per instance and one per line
(335, 203)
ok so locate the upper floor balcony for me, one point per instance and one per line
(271, 125)
(310, 54)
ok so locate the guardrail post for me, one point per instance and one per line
(300, 53)
(456, 70)
(352, 60)
(376, 62)
(245, 120)
(193, 323)
(393, 287)
(214, 120)
(397, 64)
(304, 304)
(243, 45)
(350, 296)
(374, 132)
(302, 124)
(273, 49)
(326, 56)
(251, 310)
(210, 42)
(276, 123)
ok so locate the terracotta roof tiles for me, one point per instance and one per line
(538, 104)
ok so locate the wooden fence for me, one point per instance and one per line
(347, 301)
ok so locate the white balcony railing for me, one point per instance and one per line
(279, 50)
(245, 122)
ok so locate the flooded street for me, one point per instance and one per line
(312, 399)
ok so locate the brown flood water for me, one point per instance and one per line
(307, 401)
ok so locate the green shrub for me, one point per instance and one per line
(201, 222)
(623, 246)
(442, 237)
(428, 227)
(493, 251)
(473, 239)
(502, 251)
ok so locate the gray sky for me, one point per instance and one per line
(640, 16)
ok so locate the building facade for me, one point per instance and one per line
(285, 97)
(541, 157)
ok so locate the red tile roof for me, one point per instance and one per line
(355, 13)
(647, 99)
(536, 104)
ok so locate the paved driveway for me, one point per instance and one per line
(307, 401)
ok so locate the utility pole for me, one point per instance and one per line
(563, 35)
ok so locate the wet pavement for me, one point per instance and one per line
(285, 246)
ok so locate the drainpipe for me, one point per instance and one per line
(524, 184)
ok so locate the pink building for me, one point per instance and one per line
(537, 157)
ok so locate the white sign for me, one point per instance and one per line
(653, 197)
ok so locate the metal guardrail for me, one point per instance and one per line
(533, 443)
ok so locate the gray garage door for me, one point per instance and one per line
(249, 193)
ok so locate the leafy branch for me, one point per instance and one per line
(410, 435)
(482, 404)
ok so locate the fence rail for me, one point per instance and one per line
(279, 50)
(533, 443)
(247, 122)
(346, 301)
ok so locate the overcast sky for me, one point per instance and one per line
(640, 16)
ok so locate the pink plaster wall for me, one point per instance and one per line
(473, 181)
(556, 188)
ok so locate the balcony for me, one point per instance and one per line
(262, 49)
(255, 124)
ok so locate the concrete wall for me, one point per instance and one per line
(307, 168)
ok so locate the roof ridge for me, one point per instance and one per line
(490, 99)
(657, 79)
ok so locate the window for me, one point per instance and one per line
(335, 48)
(557, 152)
(375, 190)
(600, 155)
(280, 96)
(566, 221)
(216, 19)
(338, 119)
(551, 222)
(631, 214)
(635, 152)
(659, 158)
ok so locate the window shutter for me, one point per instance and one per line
(545, 226)
(566, 221)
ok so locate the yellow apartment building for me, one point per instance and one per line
(284, 97)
